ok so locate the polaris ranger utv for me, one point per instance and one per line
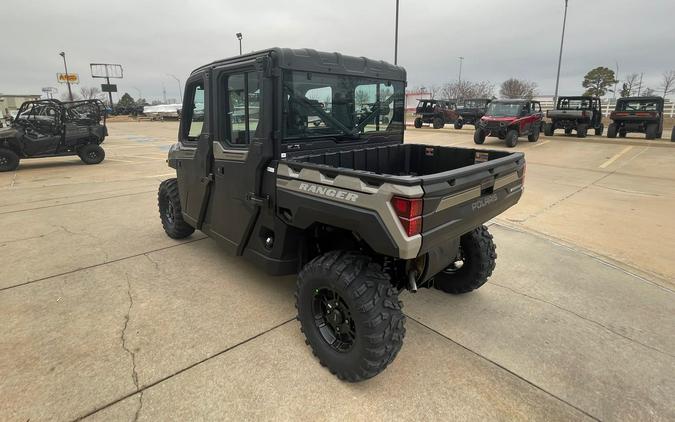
(356, 213)
(637, 114)
(438, 113)
(575, 113)
(509, 119)
(51, 128)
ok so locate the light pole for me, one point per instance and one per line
(562, 40)
(396, 37)
(65, 66)
(239, 37)
(180, 91)
(616, 80)
(459, 79)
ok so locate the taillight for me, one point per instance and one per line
(409, 212)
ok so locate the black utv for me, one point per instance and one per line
(470, 111)
(359, 215)
(51, 128)
(637, 114)
(438, 113)
(575, 113)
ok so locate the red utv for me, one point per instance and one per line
(510, 119)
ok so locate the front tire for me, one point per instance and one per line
(599, 130)
(350, 314)
(479, 136)
(91, 154)
(9, 160)
(511, 138)
(652, 131)
(170, 211)
(534, 136)
(478, 259)
(548, 129)
(458, 124)
(611, 131)
(418, 122)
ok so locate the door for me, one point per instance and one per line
(195, 160)
(238, 160)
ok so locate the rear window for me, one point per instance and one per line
(637, 106)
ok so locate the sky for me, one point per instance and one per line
(498, 39)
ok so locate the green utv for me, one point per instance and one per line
(345, 204)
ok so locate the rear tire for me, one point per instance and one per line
(611, 131)
(418, 122)
(534, 136)
(568, 131)
(548, 129)
(458, 124)
(91, 154)
(479, 136)
(511, 138)
(9, 160)
(170, 211)
(350, 314)
(478, 255)
(582, 130)
(652, 131)
(438, 123)
(599, 130)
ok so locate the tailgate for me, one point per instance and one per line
(457, 201)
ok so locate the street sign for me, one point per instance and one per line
(109, 87)
(73, 78)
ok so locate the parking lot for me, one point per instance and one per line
(106, 318)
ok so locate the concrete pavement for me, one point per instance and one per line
(107, 318)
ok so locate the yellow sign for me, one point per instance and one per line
(73, 78)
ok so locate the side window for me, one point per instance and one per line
(243, 108)
(194, 115)
(369, 96)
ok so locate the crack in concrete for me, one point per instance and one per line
(4, 242)
(155, 263)
(592, 321)
(130, 352)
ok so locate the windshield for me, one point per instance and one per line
(318, 105)
(637, 106)
(504, 109)
(574, 104)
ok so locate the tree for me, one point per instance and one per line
(629, 85)
(468, 89)
(90, 93)
(598, 81)
(518, 88)
(126, 101)
(668, 83)
(648, 92)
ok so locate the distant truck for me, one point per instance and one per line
(509, 119)
(639, 115)
(575, 113)
(470, 111)
(438, 113)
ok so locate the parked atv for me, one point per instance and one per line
(672, 135)
(509, 119)
(637, 114)
(470, 111)
(435, 112)
(575, 113)
(50, 128)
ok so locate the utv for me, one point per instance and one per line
(637, 114)
(51, 128)
(509, 119)
(435, 112)
(356, 213)
(471, 111)
(575, 113)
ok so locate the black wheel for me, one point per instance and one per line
(473, 266)
(476, 124)
(479, 136)
(548, 129)
(599, 129)
(350, 314)
(622, 133)
(438, 123)
(458, 124)
(611, 130)
(534, 136)
(418, 122)
(652, 131)
(511, 138)
(568, 131)
(170, 211)
(91, 154)
(9, 161)
(672, 135)
(582, 130)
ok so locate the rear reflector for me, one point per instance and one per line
(412, 226)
